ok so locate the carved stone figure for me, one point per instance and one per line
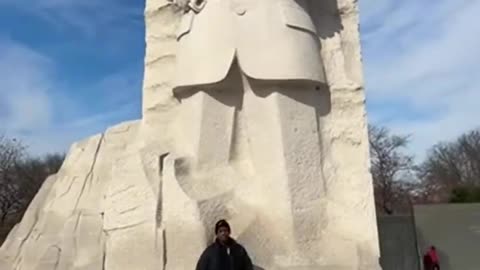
(251, 86)
(271, 39)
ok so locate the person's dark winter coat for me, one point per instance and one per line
(229, 256)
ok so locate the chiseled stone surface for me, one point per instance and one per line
(290, 171)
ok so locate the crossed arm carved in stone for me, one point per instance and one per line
(183, 4)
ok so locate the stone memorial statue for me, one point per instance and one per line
(253, 112)
(247, 77)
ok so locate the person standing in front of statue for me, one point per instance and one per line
(225, 253)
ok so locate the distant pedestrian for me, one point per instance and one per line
(427, 263)
(432, 253)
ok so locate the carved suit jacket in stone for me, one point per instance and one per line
(271, 39)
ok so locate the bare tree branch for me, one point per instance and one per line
(389, 167)
(449, 166)
(21, 177)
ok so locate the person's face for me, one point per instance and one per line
(223, 234)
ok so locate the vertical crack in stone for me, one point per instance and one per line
(90, 173)
(234, 137)
(20, 247)
(77, 222)
(59, 253)
(161, 162)
(104, 250)
(158, 217)
(323, 154)
(161, 166)
(165, 256)
(75, 234)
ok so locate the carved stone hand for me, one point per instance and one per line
(183, 4)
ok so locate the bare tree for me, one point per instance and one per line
(21, 176)
(11, 152)
(390, 168)
(453, 165)
(32, 172)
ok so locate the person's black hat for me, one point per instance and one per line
(221, 223)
